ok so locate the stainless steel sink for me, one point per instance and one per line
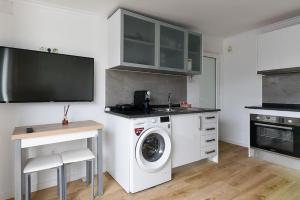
(164, 109)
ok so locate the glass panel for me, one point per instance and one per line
(139, 41)
(207, 83)
(171, 48)
(275, 138)
(153, 147)
(195, 52)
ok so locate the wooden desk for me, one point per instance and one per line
(55, 133)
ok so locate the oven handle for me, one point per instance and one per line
(273, 126)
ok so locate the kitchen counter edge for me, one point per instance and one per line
(156, 114)
(277, 109)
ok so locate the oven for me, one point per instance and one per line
(276, 134)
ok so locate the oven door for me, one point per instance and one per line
(275, 138)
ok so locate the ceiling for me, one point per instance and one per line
(220, 18)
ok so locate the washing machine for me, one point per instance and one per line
(139, 151)
(151, 148)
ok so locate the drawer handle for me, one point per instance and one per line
(209, 152)
(200, 123)
(212, 140)
(210, 129)
(212, 117)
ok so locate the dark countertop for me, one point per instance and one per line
(156, 113)
(273, 108)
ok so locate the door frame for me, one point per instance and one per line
(218, 64)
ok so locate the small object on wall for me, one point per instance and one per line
(66, 110)
(49, 50)
(55, 50)
(43, 48)
(229, 50)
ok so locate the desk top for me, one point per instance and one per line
(55, 129)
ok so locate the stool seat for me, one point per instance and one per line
(77, 156)
(42, 163)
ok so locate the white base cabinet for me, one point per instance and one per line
(194, 137)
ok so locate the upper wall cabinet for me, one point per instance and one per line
(141, 43)
(279, 49)
(172, 48)
(194, 64)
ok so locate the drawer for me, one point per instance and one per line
(209, 151)
(210, 117)
(209, 140)
(209, 128)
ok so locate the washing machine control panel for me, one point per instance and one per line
(164, 119)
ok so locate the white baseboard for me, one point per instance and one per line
(243, 144)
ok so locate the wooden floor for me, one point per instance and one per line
(235, 177)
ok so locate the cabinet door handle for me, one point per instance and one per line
(212, 117)
(210, 129)
(212, 140)
(209, 152)
(200, 123)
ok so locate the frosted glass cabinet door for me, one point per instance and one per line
(171, 48)
(194, 52)
(139, 41)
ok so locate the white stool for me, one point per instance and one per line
(81, 155)
(39, 164)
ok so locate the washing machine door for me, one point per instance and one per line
(153, 149)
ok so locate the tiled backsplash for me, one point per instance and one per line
(281, 88)
(120, 87)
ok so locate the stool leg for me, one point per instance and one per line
(92, 177)
(64, 184)
(60, 182)
(88, 173)
(27, 186)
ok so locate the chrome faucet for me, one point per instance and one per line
(169, 101)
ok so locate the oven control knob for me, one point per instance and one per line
(258, 117)
(153, 121)
(290, 121)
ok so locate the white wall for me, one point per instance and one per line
(32, 26)
(239, 86)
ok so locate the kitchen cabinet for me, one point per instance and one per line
(279, 49)
(132, 41)
(172, 48)
(140, 43)
(185, 139)
(194, 137)
(194, 62)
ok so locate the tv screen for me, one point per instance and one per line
(34, 76)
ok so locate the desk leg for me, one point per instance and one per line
(88, 164)
(99, 163)
(19, 179)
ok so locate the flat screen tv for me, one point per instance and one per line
(34, 76)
